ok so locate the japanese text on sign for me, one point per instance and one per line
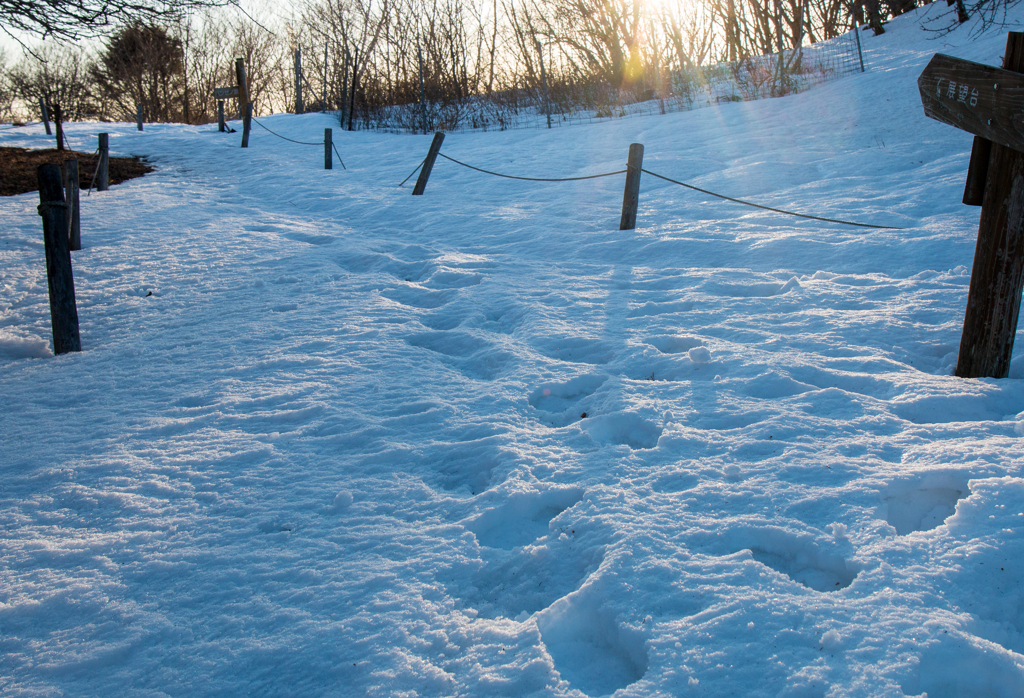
(960, 92)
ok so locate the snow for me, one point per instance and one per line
(326, 438)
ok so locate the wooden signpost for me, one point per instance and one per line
(988, 102)
(225, 92)
(239, 91)
(979, 99)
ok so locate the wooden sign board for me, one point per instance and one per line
(988, 102)
(977, 98)
(225, 92)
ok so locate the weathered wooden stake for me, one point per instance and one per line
(59, 126)
(103, 171)
(59, 277)
(544, 81)
(631, 194)
(328, 156)
(428, 164)
(246, 125)
(344, 90)
(355, 79)
(299, 107)
(221, 126)
(243, 86)
(46, 115)
(138, 116)
(423, 92)
(71, 185)
(997, 277)
(977, 171)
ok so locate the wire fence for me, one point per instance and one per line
(758, 77)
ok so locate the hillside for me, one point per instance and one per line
(326, 438)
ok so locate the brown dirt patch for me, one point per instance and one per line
(18, 168)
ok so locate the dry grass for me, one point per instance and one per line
(18, 168)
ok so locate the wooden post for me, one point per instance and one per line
(860, 54)
(328, 156)
(352, 102)
(246, 124)
(59, 126)
(59, 277)
(243, 86)
(544, 81)
(344, 90)
(997, 277)
(299, 107)
(977, 171)
(428, 164)
(46, 116)
(71, 185)
(138, 116)
(423, 92)
(103, 171)
(631, 194)
(221, 126)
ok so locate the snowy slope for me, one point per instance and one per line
(326, 438)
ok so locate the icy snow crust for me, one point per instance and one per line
(326, 438)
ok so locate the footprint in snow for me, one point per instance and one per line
(924, 503)
(592, 650)
(560, 404)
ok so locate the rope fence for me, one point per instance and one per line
(632, 171)
(770, 208)
(285, 138)
(412, 173)
(88, 192)
(531, 179)
(292, 140)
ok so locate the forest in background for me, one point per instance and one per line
(364, 55)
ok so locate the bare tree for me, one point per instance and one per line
(73, 19)
(56, 74)
(6, 89)
(266, 63)
(205, 63)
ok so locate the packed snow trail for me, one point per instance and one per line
(326, 438)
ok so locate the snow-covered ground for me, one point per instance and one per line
(326, 438)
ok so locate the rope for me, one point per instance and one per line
(414, 171)
(88, 192)
(286, 138)
(528, 179)
(769, 208)
(47, 205)
(339, 156)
